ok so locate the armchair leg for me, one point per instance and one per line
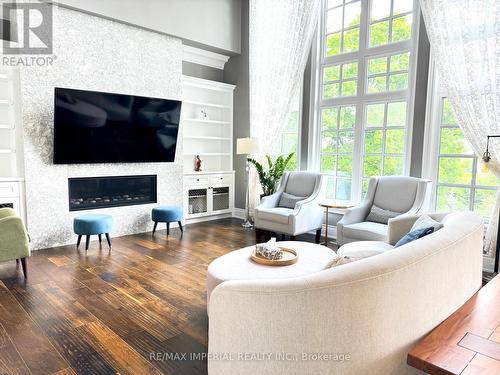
(318, 235)
(24, 264)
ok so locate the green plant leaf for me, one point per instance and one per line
(269, 180)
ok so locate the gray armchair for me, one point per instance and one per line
(398, 194)
(304, 216)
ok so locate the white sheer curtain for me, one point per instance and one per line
(281, 32)
(465, 44)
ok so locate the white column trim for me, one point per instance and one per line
(203, 57)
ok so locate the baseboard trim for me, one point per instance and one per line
(208, 218)
(239, 213)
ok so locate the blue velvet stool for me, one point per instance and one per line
(87, 225)
(167, 214)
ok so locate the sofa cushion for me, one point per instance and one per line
(278, 214)
(340, 260)
(414, 235)
(363, 249)
(379, 215)
(289, 200)
(366, 230)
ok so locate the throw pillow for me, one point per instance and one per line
(338, 261)
(426, 221)
(414, 235)
(289, 200)
(379, 215)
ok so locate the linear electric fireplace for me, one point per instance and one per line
(96, 192)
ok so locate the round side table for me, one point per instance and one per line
(332, 205)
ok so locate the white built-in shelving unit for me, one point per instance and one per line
(209, 193)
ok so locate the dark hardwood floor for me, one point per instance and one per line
(105, 312)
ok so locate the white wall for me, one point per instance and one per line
(95, 54)
(209, 24)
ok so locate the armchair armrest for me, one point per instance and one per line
(356, 214)
(14, 243)
(270, 201)
(6, 212)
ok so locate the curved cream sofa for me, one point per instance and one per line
(373, 310)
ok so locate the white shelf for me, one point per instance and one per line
(4, 101)
(208, 154)
(194, 173)
(7, 151)
(6, 126)
(205, 104)
(206, 121)
(208, 138)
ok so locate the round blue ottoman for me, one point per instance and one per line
(87, 225)
(167, 214)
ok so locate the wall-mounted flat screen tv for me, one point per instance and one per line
(100, 127)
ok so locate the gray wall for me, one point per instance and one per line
(236, 72)
(210, 24)
(202, 71)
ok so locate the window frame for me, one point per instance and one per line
(432, 143)
(320, 60)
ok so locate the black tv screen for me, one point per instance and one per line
(100, 127)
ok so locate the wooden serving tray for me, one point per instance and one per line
(289, 257)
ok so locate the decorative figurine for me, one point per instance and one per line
(204, 114)
(197, 164)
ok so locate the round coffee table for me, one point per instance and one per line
(237, 264)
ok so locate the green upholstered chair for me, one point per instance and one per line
(14, 240)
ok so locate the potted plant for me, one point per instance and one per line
(270, 179)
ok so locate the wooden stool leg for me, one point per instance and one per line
(100, 238)
(79, 240)
(180, 226)
(24, 264)
(168, 229)
(17, 261)
(154, 228)
(108, 239)
(87, 242)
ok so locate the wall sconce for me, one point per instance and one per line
(487, 156)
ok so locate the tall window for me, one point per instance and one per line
(462, 184)
(365, 84)
(289, 138)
